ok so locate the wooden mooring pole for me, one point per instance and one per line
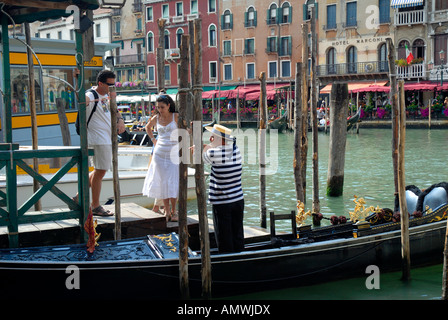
(199, 164)
(160, 53)
(394, 103)
(262, 148)
(404, 217)
(297, 168)
(116, 179)
(184, 143)
(304, 99)
(338, 138)
(313, 107)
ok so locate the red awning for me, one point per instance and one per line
(422, 85)
(352, 86)
(372, 89)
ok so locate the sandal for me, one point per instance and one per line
(100, 211)
(175, 217)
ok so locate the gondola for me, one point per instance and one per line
(279, 123)
(148, 267)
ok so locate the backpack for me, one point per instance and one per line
(95, 94)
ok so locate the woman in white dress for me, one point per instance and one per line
(162, 178)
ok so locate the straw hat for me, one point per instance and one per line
(220, 131)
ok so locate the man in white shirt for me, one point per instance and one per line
(99, 136)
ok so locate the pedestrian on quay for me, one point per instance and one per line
(99, 136)
(162, 178)
(225, 190)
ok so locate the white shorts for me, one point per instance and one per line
(102, 157)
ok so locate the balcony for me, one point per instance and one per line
(171, 54)
(137, 7)
(357, 69)
(132, 59)
(410, 18)
(412, 71)
(178, 19)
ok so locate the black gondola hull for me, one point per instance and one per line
(252, 270)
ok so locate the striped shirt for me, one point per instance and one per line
(225, 176)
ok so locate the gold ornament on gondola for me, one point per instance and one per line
(301, 214)
(361, 212)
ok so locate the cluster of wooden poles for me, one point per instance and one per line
(191, 59)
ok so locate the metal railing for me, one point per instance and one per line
(129, 59)
(410, 17)
(353, 68)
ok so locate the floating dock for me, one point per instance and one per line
(136, 221)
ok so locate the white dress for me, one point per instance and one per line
(162, 178)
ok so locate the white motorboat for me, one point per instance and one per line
(133, 163)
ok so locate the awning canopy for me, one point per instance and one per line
(355, 86)
(248, 92)
(372, 89)
(405, 3)
(420, 86)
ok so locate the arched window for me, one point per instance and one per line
(418, 48)
(272, 14)
(331, 61)
(227, 20)
(352, 58)
(212, 35)
(286, 13)
(167, 39)
(382, 57)
(401, 50)
(250, 17)
(150, 46)
(179, 34)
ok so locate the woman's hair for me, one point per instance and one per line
(163, 97)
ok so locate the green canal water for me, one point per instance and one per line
(368, 174)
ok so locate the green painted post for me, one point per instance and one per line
(11, 182)
(83, 172)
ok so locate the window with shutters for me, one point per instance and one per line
(331, 17)
(250, 18)
(271, 45)
(441, 5)
(250, 71)
(285, 68)
(272, 14)
(228, 72)
(227, 47)
(227, 20)
(285, 46)
(249, 46)
(351, 18)
(286, 13)
(272, 69)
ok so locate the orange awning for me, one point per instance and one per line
(354, 85)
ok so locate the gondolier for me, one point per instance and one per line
(225, 191)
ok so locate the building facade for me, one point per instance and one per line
(258, 36)
(352, 40)
(177, 15)
(128, 30)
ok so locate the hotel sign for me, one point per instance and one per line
(358, 41)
